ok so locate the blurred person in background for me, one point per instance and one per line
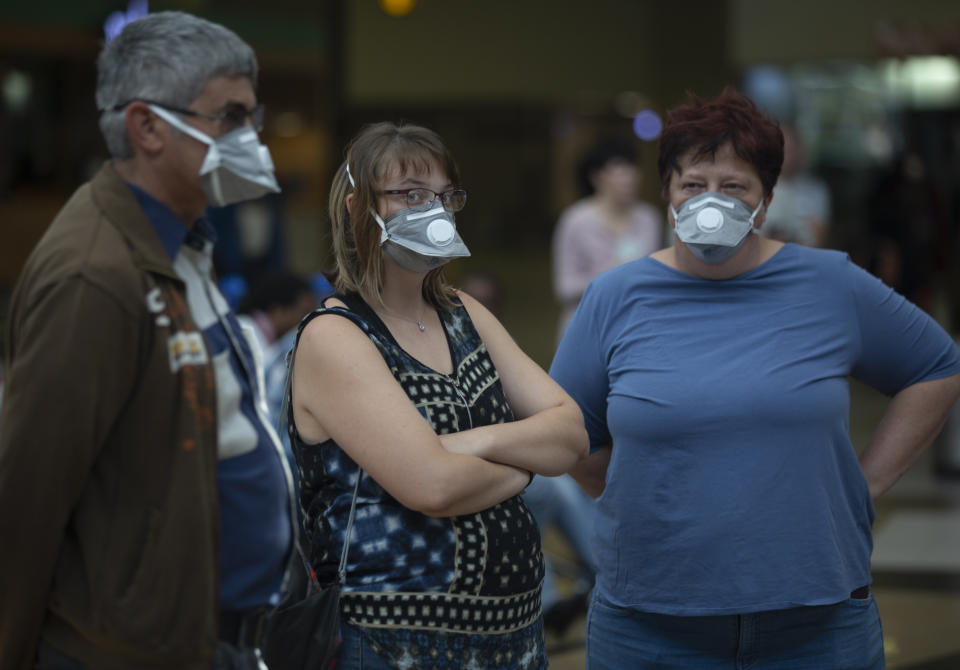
(607, 227)
(145, 504)
(800, 212)
(910, 229)
(272, 309)
(734, 517)
(273, 305)
(413, 393)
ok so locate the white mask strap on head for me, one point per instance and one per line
(383, 227)
(755, 212)
(212, 159)
(180, 125)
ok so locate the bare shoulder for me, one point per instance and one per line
(480, 315)
(331, 332)
(334, 302)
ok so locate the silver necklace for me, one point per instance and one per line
(419, 321)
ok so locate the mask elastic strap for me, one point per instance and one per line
(754, 215)
(181, 126)
(384, 236)
(210, 161)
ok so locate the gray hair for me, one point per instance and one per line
(168, 57)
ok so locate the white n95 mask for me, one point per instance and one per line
(420, 238)
(237, 166)
(714, 226)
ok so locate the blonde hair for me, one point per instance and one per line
(356, 236)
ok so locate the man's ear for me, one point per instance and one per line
(144, 129)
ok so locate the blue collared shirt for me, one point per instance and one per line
(255, 509)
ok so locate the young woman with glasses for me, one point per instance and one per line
(417, 389)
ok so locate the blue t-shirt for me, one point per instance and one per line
(733, 486)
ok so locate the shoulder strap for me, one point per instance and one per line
(283, 422)
(342, 570)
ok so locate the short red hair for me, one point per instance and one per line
(703, 126)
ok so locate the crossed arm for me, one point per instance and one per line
(347, 393)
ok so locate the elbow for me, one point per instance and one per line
(592, 488)
(576, 449)
(434, 500)
(436, 506)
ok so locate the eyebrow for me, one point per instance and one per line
(695, 173)
(417, 183)
(235, 104)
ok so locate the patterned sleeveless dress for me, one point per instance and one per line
(445, 593)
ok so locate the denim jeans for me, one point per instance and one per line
(843, 636)
(355, 652)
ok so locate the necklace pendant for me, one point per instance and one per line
(420, 326)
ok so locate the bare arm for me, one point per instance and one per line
(548, 436)
(913, 419)
(591, 472)
(345, 391)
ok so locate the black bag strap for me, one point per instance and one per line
(281, 426)
(342, 570)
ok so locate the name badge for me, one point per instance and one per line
(186, 349)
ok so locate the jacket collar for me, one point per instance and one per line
(122, 209)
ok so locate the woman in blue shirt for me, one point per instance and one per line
(734, 517)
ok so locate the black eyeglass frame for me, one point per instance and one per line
(255, 115)
(444, 197)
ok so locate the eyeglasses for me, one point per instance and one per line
(452, 200)
(233, 116)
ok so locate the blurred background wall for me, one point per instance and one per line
(519, 89)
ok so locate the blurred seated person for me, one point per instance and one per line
(800, 209)
(605, 228)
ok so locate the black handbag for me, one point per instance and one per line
(303, 632)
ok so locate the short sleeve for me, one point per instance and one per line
(580, 365)
(900, 344)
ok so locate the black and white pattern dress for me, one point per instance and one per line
(456, 592)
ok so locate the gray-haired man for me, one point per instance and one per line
(145, 505)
